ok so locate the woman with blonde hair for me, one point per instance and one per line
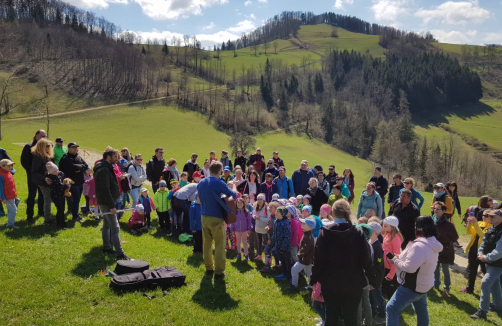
(408, 184)
(342, 253)
(42, 154)
(126, 154)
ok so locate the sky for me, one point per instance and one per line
(215, 21)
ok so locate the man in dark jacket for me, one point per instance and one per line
(258, 161)
(331, 177)
(395, 188)
(301, 178)
(107, 193)
(382, 186)
(191, 166)
(73, 166)
(26, 161)
(154, 168)
(406, 212)
(240, 161)
(278, 162)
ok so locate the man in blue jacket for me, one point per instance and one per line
(301, 178)
(284, 184)
(213, 229)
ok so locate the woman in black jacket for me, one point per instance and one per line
(342, 266)
(319, 197)
(251, 186)
(42, 153)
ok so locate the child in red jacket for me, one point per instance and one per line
(8, 192)
(137, 220)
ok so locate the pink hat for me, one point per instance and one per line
(293, 201)
(326, 208)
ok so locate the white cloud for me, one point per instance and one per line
(456, 13)
(248, 3)
(389, 10)
(210, 26)
(243, 26)
(263, 1)
(339, 4)
(493, 38)
(454, 37)
(173, 9)
(99, 4)
(252, 16)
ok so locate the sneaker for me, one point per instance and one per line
(265, 269)
(446, 292)
(12, 227)
(379, 320)
(259, 257)
(238, 257)
(479, 314)
(458, 245)
(292, 288)
(466, 291)
(246, 257)
(319, 320)
(209, 272)
(150, 227)
(492, 308)
(280, 277)
(220, 277)
(123, 257)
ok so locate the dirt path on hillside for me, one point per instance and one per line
(105, 106)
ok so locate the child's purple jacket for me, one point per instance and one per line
(243, 222)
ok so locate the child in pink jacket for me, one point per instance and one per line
(391, 244)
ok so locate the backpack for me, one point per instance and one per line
(164, 277)
(131, 266)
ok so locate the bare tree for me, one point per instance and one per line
(275, 44)
(255, 48)
(266, 45)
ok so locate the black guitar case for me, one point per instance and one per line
(164, 277)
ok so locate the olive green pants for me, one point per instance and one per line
(213, 229)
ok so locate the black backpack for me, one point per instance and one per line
(131, 266)
(164, 277)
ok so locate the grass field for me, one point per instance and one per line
(52, 277)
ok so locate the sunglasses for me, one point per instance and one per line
(123, 151)
(139, 159)
(397, 178)
(406, 183)
(437, 188)
(437, 209)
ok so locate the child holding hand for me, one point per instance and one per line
(57, 192)
(241, 227)
(148, 204)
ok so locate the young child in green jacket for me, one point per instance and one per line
(163, 206)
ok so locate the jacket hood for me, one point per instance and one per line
(338, 234)
(432, 242)
(190, 162)
(365, 194)
(102, 164)
(154, 158)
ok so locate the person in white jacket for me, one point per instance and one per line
(137, 176)
(415, 273)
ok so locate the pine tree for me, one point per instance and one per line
(143, 51)
(165, 49)
(310, 92)
(283, 105)
(74, 23)
(59, 17)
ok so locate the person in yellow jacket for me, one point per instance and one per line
(477, 230)
(441, 195)
(163, 206)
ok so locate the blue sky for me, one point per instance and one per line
(213, 21)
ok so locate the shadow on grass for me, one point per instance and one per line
(92, 262)
(195, 260)
(440, 115)
(242, 266)
(33, 230)
(214, 296)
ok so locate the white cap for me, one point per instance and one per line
(392, 221)
(139, 207)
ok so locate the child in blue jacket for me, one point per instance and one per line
(196, 226)
(281, 241)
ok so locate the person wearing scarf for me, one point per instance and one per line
(171, 172)
(319, 197)
(441, 195)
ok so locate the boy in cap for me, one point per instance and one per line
(57, 192)
(305, 254)
(59, 150)
(163, 206)
(8, 192)
(226, 176)
(376, 297)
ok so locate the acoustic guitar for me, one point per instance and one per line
(230, 203)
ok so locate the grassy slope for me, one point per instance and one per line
(52, 276)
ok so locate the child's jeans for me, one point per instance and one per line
(148, 220)
(294, 251)
(125, 198)
(11, 211)
(262, 241)
(175, 222)
(446, 273)
(241, 238)
(268, 255)
(87, 200)
(377, 302)
(364, 310)
(164, 220)
(59, 203)
(286, 262)
(320, 308)
(296, 270)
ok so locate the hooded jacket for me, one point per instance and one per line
(382, 185)
(137, 175)
(305, 254)
(161, 202)
(345, 190)
(417, 263)
(7, 185)
(154, 169)
(369, 202)
(190, 168)
(136, 218)
(243, 222)
(342, 260)
(394, 192)
(447, 235)
(106, 184)
(284, 187)
(477, 231)
(281, 237)
(240, 161)
(73, 167)
(39, 170)
(263, 221)
(301, 181)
